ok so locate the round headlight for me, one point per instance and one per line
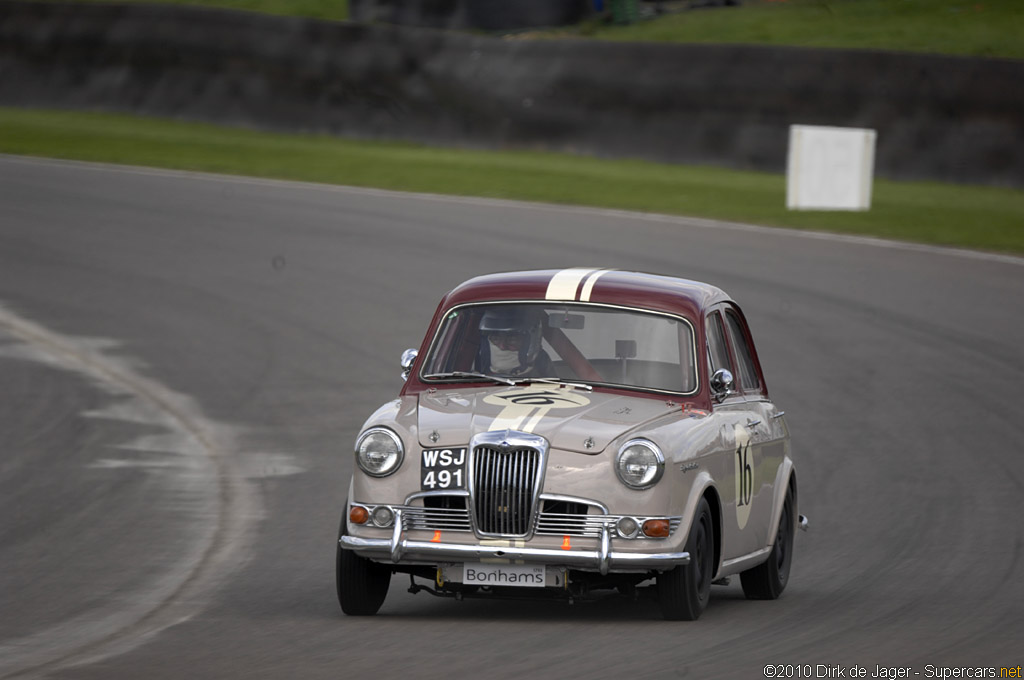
(379, 452)
(639, 464)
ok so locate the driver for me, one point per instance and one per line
(511, 342)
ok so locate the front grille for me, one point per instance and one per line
(504, 484)
(571, 519)
(557, 524)
(567, 517)
(435, 519)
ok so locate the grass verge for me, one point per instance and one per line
(333, 10)
(954, 215)
(987, 28)
(982, 28)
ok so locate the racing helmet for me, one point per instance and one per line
(512, 327)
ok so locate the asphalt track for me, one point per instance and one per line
(186, 359)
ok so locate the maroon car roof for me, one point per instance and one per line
(681, 297)
(608, 286)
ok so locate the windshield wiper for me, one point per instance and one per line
(558, 381)
(508, 381)
(473, 374)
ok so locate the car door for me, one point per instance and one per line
(765, 428)
(736, 469)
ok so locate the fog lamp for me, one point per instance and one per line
(627, 527)
(383, 516)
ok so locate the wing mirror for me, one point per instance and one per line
(408, 358)
(722, 384)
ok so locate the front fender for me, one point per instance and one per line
(785, 476)
(703, 485)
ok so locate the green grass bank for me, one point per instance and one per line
(985, 28)
(953, 215)
(980, 28)
(332, 10)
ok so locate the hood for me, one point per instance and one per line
(570, 419)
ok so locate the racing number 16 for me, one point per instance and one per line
(746, 474)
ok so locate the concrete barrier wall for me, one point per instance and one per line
(940, 118)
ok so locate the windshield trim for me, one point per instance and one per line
(571, 303)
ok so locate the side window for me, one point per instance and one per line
(717, 351)
(748, 373)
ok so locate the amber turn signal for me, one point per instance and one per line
(656, 528)
(358, 515)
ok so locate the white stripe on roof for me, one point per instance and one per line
(563, 285)
(588, 285)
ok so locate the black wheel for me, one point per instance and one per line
(767, 581)
(362, 584)
(684, 592)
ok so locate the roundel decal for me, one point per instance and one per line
(744, 476)
(524, 407)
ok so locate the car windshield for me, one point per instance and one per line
(585, 343)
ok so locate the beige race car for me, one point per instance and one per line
(570, 433)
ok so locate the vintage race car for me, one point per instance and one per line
(570, 432)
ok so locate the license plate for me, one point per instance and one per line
(443, 469)
(530, 576)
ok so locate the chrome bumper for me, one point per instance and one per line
(603, 560)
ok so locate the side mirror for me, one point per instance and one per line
(408, 358)
(722, 384)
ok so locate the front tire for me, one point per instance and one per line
(362, 584)
(683, 592)
(766, 581)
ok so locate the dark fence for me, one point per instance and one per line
(490, 15)
(940, 118)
